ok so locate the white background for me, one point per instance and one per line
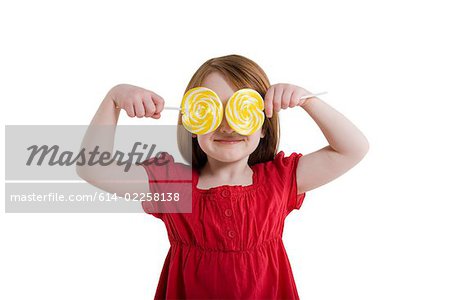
(381, 231)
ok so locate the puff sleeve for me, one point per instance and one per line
(167, 177)
(287, 169)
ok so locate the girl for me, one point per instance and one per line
(230, 246)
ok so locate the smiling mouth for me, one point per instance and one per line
(228, 141)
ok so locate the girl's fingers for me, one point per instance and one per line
(277, 99)
(138, 102)
(129, 109)
(139, 108)
(159, 103)
(295, 99)
(268, 102)
(286, 98)
(149, 107)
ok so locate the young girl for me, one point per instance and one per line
(230, 246)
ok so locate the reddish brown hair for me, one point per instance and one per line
(242, 73)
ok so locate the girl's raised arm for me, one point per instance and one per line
(137, 102)
(347, 147)
(347, 144)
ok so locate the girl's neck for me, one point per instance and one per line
(226, 171)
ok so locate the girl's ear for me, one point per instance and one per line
(194, 136)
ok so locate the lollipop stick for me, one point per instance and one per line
(312, 95)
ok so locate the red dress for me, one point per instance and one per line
(230, 246)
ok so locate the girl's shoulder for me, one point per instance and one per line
(168, 180)
(282, 163)
(280, 170)
(164, 166)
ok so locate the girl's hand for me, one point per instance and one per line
(136, 101)
(283, 95)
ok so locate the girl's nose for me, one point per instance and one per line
(224, 127)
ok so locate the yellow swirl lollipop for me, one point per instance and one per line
(244, 111)
(202, 110)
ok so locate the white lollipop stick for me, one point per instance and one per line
(301, 98)
(312, 95)
(171, 108)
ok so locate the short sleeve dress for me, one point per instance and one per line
(230, 246)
